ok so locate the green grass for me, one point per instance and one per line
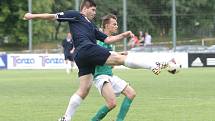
(42, 95)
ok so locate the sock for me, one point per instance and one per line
(132, 61)
(74, 102)
(124, 109)
(71, 65)
(101, 113)
(68, 67)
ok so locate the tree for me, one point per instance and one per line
(10, 21)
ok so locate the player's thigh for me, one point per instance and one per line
(129, 92)
(108, 94)
(115, 59)
(107, 91)
(85, 85)
(86, 81)
(102, 83)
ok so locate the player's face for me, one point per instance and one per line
(90, 12)
(112, 26)
(69, 36)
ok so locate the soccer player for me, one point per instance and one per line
(87, 53)
(108, 85)
(68, 50)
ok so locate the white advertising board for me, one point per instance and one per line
(36, 61)
(56, 61)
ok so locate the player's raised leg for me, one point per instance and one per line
(135, 62)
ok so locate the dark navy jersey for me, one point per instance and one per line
(67, 46)
(83, 32)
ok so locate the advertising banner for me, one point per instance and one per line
(56, 61)
(3, 61)
(36, 61)
(201, 59)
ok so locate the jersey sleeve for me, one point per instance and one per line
(66, 16)
(100, 35)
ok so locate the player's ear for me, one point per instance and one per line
(106, 26)
(84, 9)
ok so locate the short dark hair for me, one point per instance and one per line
(87, 3)
(106, 19)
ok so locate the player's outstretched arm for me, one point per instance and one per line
(45, 16)
(112, 39)
(123, 53)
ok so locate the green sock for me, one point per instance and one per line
(124, 109)
(101, 113)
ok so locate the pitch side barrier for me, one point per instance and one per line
(3, 61)
(56, 61)
(201, 59)
(35, 61)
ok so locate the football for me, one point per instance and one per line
(174, 66)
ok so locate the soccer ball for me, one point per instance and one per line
(174, 66)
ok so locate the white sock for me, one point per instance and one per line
(71, 65)
(74, 102)
(135, 62)
(68, 67)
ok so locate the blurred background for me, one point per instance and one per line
(172, 24)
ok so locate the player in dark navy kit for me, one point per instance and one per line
(68, 49)
(87, 53)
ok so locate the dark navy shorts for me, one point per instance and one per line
(88, 57)
(69, 57)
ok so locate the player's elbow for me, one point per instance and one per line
(50, 17)
(109, 40)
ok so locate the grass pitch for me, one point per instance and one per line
(42, 95)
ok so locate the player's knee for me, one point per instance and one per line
(116, 59)
(111, 104)
(119, 60)
(131, 93)
(83, 93)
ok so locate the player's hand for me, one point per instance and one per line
(27, 16)
(131, 34)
